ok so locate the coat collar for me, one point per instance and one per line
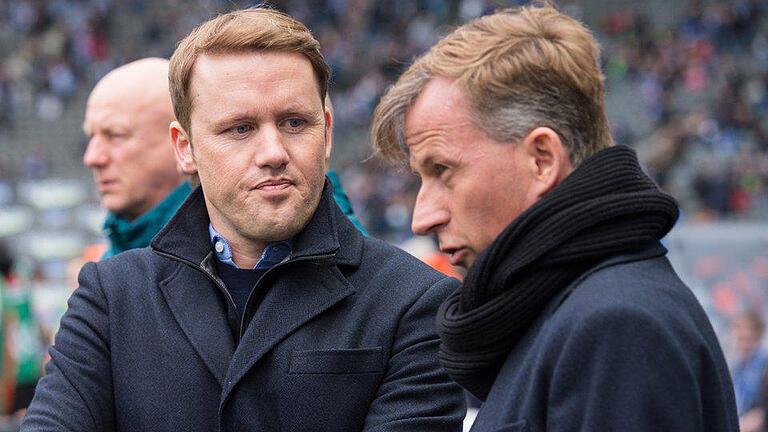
(328, 232)
(287, 305)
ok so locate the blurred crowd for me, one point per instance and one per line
(702, 85)
(691, 97)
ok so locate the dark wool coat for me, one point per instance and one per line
(343, 340)
(627, 347)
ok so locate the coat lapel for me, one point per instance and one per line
(197, 308)
(296, 299)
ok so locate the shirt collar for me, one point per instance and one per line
(274, 252)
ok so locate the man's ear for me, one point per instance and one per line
(182, 146)
(548, 160)
(328, 132)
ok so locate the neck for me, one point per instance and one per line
(131, 216)
(161, 195)
(245, 252)
(248, 257)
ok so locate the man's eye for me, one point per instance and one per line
(440, 169)
(295, 123)
(113, 135)
(241, 129)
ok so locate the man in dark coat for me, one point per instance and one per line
(259, 306)
(570, 317)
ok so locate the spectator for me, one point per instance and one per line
(20, 343)
(749, 369)
(130, 155)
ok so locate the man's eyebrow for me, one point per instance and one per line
(301, 110)
(227, 120)
(110, 127)
(426, 161)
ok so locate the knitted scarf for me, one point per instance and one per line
(606, 207)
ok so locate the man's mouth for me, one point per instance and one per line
(456, 256)
(103, 185)
(273, 185)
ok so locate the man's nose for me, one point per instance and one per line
(428, 213)
(271, 150)
(95, 154)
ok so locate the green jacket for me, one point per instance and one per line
(27, 346)
(124, 235)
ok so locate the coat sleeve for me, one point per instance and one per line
(76, 392)
(623, 369)
(416, 394)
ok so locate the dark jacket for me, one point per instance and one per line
(627, 347)
(343, 340)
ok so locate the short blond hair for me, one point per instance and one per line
(255, 29)
(521, 68)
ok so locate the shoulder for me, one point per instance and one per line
(393, 274)
(625, 318)
(639, 300)
(648, 285)
(126, 271)
(131, 261)
(383, 259)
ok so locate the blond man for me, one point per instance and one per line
(259, 306)
(570, 317)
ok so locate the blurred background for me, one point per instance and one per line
(687, 87)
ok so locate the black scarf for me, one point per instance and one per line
(606, 207)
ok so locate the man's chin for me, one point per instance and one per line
(462, 258)
(467, 263)
(111, 206)
(276, 232)
(119, 208)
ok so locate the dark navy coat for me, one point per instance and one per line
(626, 348)
(343, 340)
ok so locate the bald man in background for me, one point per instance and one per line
(129, 153)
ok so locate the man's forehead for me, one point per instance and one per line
(107, 113)
(216, 66)
(118, 110)
(287, 72)
(442, 102)
(109, 98)
(440, 110)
